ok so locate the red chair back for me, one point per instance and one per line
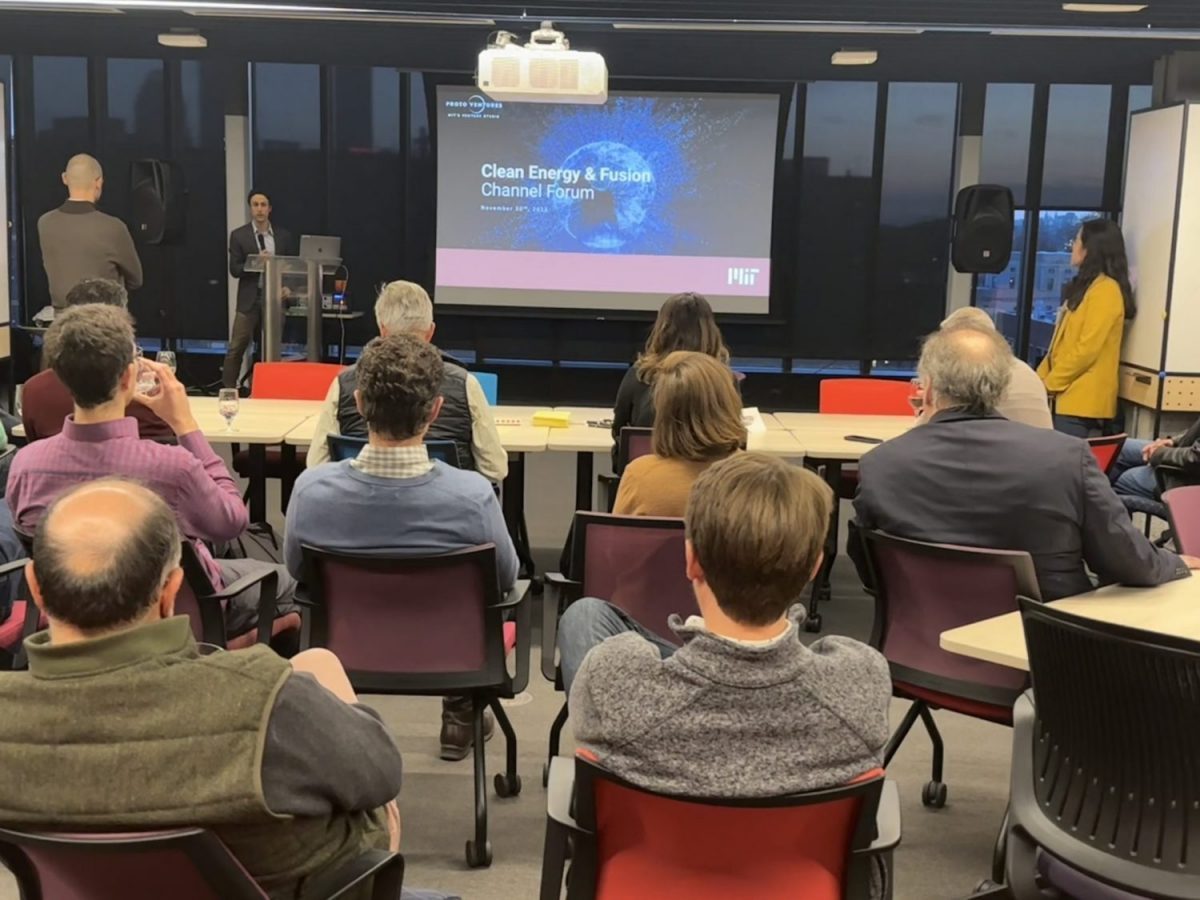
(292, 380)
(636, 563)
(924, 589)
(866, 397)
(684, 848)
(1183, 507)
(1106, 450)
(188, 864)
(399, 624)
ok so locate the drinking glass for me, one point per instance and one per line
(167, 358)
(147, 381)
(917, 398)
(227, 406)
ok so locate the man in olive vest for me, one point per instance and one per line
(121, 724)
(405, 308)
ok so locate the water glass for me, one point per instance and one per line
(167, 358)
(147, 381)
(227, 406)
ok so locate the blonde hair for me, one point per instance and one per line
(685, 322)
(757, 527)
(697, 410)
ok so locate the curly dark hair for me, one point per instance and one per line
(89, 347)
(399, 380)
(98, 290)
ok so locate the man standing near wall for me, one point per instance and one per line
(258, 236)
(78, 241)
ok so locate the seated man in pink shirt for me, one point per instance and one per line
(91, 349)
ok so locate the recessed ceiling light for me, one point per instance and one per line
(1104, 7)
(184, 38)
(855, 57)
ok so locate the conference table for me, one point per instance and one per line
(1171, 609)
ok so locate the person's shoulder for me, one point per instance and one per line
(318, 477)
(845, 653)
(462, 482)
(644, 466)
(42, 381)
(622, 656)
(1105, 288)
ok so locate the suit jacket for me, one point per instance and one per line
(243, 243)
(1184, 455)
(991, 483)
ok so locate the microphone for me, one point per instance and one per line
(262, 241)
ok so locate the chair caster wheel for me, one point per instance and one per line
(545, 774)
(813, 623)
(479, 857)
(506, 788)
(933, 795)
(537, 587)
(984, 886)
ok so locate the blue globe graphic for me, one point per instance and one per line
(617, 212)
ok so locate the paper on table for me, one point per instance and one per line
(753, 420)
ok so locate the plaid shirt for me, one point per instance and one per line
(393, 462)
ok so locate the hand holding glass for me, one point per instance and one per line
(227, 406)
(167, 358)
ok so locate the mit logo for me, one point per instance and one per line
(742, 275)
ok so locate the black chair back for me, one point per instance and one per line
(342, 446)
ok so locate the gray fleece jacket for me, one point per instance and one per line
(720, 718)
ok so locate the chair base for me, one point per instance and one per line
(507, 783)
(933, 795)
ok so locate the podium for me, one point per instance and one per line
(302, 280)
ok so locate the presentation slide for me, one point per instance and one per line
(611, 207)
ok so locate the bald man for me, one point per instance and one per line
(78, 241)
(121, 724)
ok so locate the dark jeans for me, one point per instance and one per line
(245, 325)
(589, 621)
(1078, 426)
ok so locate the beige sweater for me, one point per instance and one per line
(78, 241)
(654, 486)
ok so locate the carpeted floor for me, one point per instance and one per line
(943, 853)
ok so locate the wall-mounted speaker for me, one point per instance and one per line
(983, 229)
(159, 201)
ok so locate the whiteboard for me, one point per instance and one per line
(1148, 221)
(1183, 350)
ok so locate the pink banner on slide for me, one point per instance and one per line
(525, 270)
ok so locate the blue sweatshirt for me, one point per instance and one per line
(337, 507)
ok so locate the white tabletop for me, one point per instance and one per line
(1171, 609)
(514, 438)
(257, 421)
(823, 435)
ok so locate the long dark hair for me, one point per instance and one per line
(1105, 249)
(685, 322)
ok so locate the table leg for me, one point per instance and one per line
(258, 483)
(513, 504)
(821, 591)
(583, 481)
(289, 472)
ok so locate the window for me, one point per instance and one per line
(1056, 233)
(833, 257)
(1000, 295)
(1007, 122)
(1076, 146)
(287, 144)
(914, 222)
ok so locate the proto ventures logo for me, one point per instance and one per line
(476, 106)
(743, 276)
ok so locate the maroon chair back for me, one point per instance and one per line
(692, 848)
(1183, 508)
(636, 563)
(632, 443)
(208, 623)
(924, 589)
(187, 864)
(400, 624)
(1106, 450)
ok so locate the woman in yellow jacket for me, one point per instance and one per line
(1080, 369)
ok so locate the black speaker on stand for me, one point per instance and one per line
(159, 195)
(983, 229)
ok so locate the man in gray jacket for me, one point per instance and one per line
(970, 476)
(743, 709)
(78, 241)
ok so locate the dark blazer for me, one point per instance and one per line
(1184, 455)
(989, 482)
(243, 243)
(634, 407)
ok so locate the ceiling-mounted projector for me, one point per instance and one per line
(546, 70)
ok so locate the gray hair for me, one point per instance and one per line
(966, 369)
(969, 317)
(82, 171)
(403, 308)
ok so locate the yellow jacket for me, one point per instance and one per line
(1081, 365)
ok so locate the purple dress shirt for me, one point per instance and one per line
(190, 477)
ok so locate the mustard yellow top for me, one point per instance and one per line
(1080, 369)
(654, 486)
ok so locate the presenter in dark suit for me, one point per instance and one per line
(256, 236)
(970, 476)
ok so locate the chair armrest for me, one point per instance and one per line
(517, 598)
(515, 595)
(267, 597)
(564, 588)
(559, 580)
(887, 820)
(387, 870)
